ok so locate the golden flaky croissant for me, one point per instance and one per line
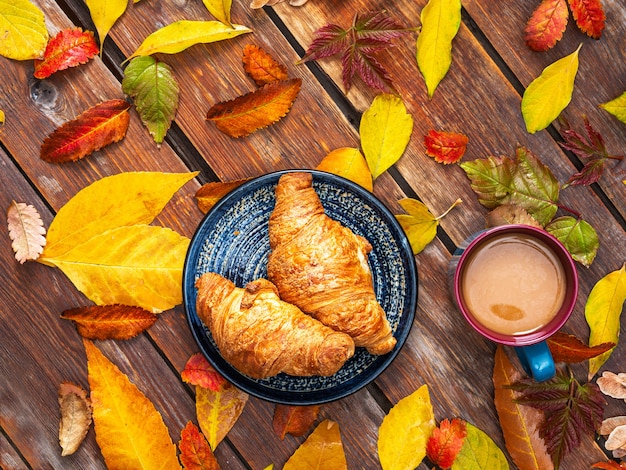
(321, 266)
(261, 335)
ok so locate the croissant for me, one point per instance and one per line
(261, 335)
(321, 266)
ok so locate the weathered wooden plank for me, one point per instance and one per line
(9, 457)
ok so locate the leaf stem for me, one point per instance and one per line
(454, 204)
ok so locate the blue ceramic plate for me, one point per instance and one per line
(232, 240)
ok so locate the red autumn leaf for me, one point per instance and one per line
(445, 147)
(589, 16)
(255, 110)
(199, 372)
(195, 452)
(568, 348)
(610, 465)
(546, 25)
(294, 420)
(95, 128)
(103, 322)
(445, 442)
(261, 66)
(69, 48)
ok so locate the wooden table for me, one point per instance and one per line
(479, 97)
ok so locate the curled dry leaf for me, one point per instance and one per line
(199, 372)
(261, 66)
(26, 230)
(613, 385)
(255, 110)
(616, 441)
(510, 214)
(208, 194)
(75, 417)
(195, 453)
(294, 420)
(69, 48)
(95, 128)
(104, 322)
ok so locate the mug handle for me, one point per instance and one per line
(537, 360)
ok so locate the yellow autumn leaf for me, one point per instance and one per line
(23, 32)
(479, 452)
(322, 450)
(129, 430)
(419, 224)
(349, 163)
(441, 20)
(550, 93)
(220, 9)
(404, 431)
(137, 265)
(385, 131)
(602, 312)
(218, 411)
(114, 201)
(104, 14)
(178, 36)
(617, 107)
(1, 117)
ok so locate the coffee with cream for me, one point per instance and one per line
(513, 284)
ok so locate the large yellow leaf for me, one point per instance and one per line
(220, 9)
(479, 452)
(349, 163)
(23, 33)
(104, 14)
(322, 450)
(440, 23)
(178, 36)
(137, 265)
(218, 411)
(404, 431)
(602, 312)
(550, 93)
(129, 430)
(385, 131)
(114, 201)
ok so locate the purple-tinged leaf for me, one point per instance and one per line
(327, 41)
(376, 25)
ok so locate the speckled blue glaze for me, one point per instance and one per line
(232, 240)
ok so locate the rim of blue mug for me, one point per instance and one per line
(566, 308)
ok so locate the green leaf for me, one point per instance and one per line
(602, 312)
(104, 14)
(137, 265)
(490, 179)
(617, 107)
(154, 89)
(178, 36)
(220, 9)
(550, 93)
(479, 452)
(23, 33)
(440, 23)
(580, 238)
(385, 131)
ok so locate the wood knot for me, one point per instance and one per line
(44, 94)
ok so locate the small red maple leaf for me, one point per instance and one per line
(445, 442)
(445, 147)
(69, 48)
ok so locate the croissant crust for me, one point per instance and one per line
(262, 336)
(321, 266)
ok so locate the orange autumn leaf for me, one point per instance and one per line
(95, 128)
(103, 322)
(199, 372)
(322, 446)
(255, 110)
(446, 442)
(589, 16)
(294, 420)
(568, 348)
(69, 48)
(261, 66)
(610, 465)
(349, 163)
(208, 194)
(195, 453)
(546, 25)
(218, 411)
(75, 409)
(445, 147)
(520, 424)
(129, 430)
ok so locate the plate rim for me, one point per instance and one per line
(249, 385)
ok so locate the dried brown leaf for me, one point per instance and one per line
(75, 417)
(570, 349)
(103, 322)
(26, 230)
(510, 214)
